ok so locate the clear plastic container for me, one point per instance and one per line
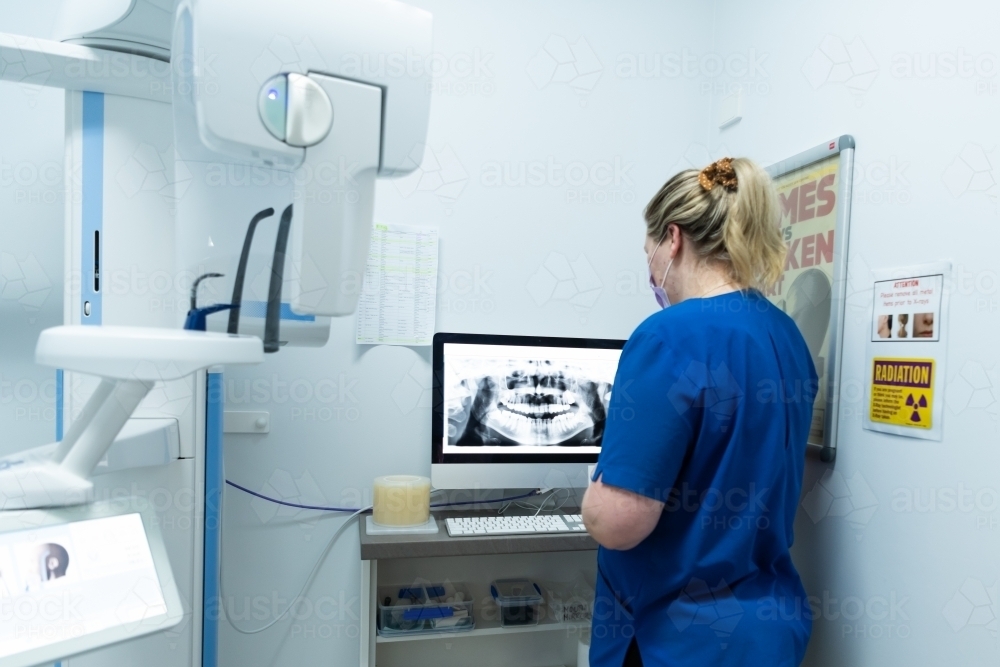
(569, 602)
(423, 608)
(519, 600)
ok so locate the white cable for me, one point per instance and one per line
(504, 506)
(569, 494)
(540, 507)
(544, 500)
(305, 586)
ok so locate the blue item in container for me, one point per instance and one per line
(424, 608)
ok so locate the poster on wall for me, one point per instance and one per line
(814, 191)
(906, 351)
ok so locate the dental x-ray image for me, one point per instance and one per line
(528, 402)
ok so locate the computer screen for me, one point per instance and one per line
(67, 581)
(521, 399)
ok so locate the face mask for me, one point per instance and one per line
(661, 294)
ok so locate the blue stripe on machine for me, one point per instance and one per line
(92, 207)
(259, 309)
(213, 516)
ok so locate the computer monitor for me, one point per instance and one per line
(516, 412)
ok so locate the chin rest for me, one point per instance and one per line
(129, 361)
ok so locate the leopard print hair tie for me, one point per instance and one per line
(720, 172)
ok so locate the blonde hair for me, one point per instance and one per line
(730, 212)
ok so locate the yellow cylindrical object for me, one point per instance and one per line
(401, 500)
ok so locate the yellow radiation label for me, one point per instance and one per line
(902, 392)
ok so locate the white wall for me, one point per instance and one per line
(501, 245)
(922, 131)
(31, 228)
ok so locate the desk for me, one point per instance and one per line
(474, 561)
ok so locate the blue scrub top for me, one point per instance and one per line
(710, 413)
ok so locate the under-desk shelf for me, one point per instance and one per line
(473, 561)
(488, 627)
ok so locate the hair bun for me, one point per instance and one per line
(720, 172)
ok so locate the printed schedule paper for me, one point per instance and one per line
(399, 295)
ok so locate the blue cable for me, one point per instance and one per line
(355, 509)
(288, 504)
(487, 502)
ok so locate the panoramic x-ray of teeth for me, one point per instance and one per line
(526, 402)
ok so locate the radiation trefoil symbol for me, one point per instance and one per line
(917, 405)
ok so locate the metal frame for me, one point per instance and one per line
(369, 605)
(844, 146)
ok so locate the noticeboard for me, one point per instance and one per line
(814, 188)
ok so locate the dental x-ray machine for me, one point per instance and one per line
(232, 94)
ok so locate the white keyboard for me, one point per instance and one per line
(515, 525)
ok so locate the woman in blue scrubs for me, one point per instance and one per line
(694, 496)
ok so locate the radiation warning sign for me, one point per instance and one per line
(905, 355)
(902, 392)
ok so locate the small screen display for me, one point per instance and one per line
(66, 581)
(522, 399)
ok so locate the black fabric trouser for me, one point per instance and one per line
(632, 657)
